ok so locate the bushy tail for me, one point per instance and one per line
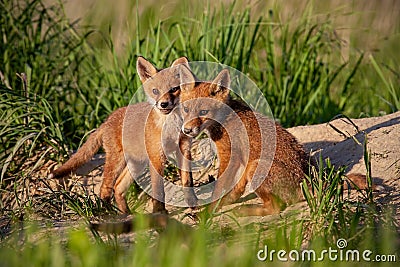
(83, 155)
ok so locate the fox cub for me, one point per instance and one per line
(133, 135)
(247, 139)
(241, 136)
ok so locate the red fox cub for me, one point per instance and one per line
(208, 106)
(245, 138)
(132, 135)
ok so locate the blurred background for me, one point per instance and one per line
(369, 25)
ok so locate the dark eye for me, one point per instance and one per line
(186, 109)
(173, 90)
(156, 91)
(203, 112)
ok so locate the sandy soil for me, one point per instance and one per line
(341, 140)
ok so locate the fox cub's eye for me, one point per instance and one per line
(156, 91)
(173, 90)
(186, 109)
(203, 112)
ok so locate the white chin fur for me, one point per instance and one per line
(151, 101)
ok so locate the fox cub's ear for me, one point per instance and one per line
(220, 85)
(145, 69)
(181, 60)
(187, 78)
(175, 67)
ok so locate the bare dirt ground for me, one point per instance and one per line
(342, 143)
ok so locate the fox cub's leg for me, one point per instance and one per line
(114, 165)
(224, 183)
(120, 188)
(272, 204)
(157, 184)
(240, 187)
(123, 182)
(280, 187)
(184, 163)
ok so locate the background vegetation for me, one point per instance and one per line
(64, 66)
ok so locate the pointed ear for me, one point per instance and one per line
(221, 84)
(145, 69)
(181, 60)
(187, 78)
(175, 67)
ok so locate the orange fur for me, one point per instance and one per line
(202, 103)
(128, 131)
(281, 185)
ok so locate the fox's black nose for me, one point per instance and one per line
(164, 104)
(187, 130)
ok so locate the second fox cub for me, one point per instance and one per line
(128, 131)
(245, 139)
(234, 127)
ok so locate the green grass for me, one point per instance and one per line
(60, 79)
